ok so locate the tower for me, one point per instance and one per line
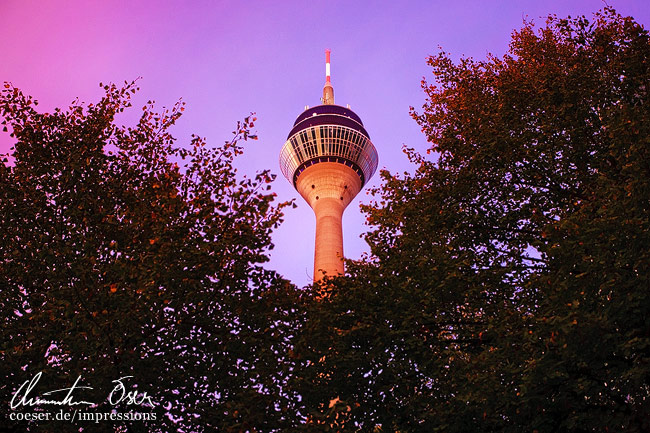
(328, 157)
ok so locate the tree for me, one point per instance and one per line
(117, 262)
(507, 285)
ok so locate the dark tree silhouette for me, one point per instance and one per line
(116, 261)
(507, 288)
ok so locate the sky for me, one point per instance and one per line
(226, 59)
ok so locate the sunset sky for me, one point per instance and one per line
(226, 59)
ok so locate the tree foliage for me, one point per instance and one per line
(508, 281)
(116, 261)
(506, 289)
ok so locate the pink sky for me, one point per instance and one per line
(228, 58)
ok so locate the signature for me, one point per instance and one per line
(119, 394)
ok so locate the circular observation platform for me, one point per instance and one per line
(328, 133)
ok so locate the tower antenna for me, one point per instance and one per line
(328, 90)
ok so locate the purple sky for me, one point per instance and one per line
(228, 58)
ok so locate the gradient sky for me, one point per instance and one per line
(228, 58)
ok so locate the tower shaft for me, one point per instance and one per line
(328, 187)
(328, 254)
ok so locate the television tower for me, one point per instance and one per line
(328, 157)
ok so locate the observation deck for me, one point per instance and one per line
(328, 133)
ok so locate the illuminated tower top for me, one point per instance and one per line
(328, 157)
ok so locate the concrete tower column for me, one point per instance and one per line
(328, 187)
(328, 254)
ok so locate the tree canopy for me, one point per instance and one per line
(506, 287)
(125, 255)
(508, 281)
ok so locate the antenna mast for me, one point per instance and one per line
(328, 90)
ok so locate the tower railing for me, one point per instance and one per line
(315, 142)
